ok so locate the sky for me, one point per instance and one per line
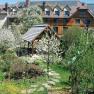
(14, 1)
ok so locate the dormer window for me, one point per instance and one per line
(57, 11)
(66, 12)
(47, 11)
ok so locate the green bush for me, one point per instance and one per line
(7, 59)
(41, 63)
(1, 76)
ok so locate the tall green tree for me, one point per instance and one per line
(79, 60)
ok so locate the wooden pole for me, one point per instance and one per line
(32, 47)
(48, 63)
(28, 48)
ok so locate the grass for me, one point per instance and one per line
(1, 76)
(41, 92)
(8, 87)
(27, 83)
(22, 84)
(64, 74)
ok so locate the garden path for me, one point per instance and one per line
(53, 79)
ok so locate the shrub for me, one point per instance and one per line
(7, 40)
(7, 59)
(38, 62)
(1, 76)
(20, 70)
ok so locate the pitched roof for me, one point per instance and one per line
(66, 2)
(2, 6)
(72, 4)
(52, 4)
(9, 5)
(91, 8)
(34, 32)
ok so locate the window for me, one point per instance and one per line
(65, 21)
(57, 11)
(77, 21)
(55, 29)
(82, 13)
(55, 21)
(47, 11)
(66, 12)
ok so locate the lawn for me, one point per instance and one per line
(28, 83)
(64, 74)
(9, 86)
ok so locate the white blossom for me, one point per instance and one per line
(7, 38)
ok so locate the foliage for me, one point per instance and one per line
(20, 70)
(29, 16)
(16, 30)
(79, 59)
(68, 39)
(49, 45)
(40, 62)
(1, 76)
(7, 39)
(6, 60)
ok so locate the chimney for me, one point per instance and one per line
(83, 4)
(44, 5)
(6, 6)
(27, 3)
